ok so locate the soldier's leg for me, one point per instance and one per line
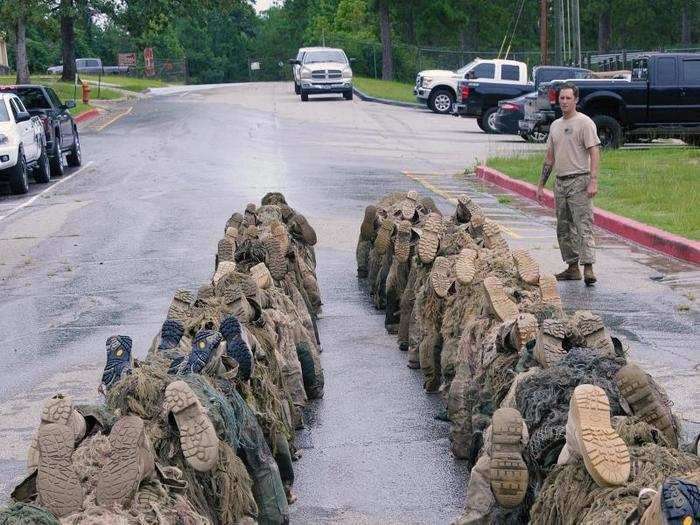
(565, 223)
(581, 211)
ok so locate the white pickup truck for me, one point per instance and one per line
(22, 145)
(438, 87)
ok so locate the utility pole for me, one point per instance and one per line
(577, 31)
(544, 43)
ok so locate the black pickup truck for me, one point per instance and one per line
(59, 127)
(480, 99)
(661, 99)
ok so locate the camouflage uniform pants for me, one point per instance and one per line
(574, 220)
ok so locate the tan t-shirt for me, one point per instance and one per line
(570, 139)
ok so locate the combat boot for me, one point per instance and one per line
(198, 439)
(548, 290)
(465, 266)
(120, 362)
(528, 269)
(205, 350)
(588, 275)
(181, 306)
(413, 358)
(636, 387)
(262, 276)
(237, 346)
(572, 273)
(676, 503)
(131, 460)
(402, 243)
(429, 241)
(57, 484)
(170, 336)
(408, 207)
(591, 330)
(498, 302)
(493, 238)
(441, 276)
(549, 348)
(590, 434)
(508, 471)
(383, 239)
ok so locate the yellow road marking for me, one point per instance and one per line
(117, 117)
(446, 195)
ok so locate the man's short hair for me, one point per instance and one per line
(569, 85)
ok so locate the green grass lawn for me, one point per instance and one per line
(66, 91)
(659, 187)
(129, 83)
(389, 90)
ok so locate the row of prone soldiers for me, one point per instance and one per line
(201, 428)
(556, 421)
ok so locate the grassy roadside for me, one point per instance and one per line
(67, 91)
(129, 83)
(389, 90)
(658, 187)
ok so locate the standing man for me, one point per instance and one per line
(573, 155)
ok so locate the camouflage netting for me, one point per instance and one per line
(482, 349)
(254, 410)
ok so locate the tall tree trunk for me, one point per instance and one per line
(385, 35)
(686, 37)
(604, 29)
(21, 46)
(410, 23)
(67, 40)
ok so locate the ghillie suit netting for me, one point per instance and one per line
(488, 330)
(204, 425)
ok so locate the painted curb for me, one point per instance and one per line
(648, 236)
(87, 115)
(365, 97)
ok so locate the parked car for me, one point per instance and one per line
(481, 99)
(22, 147)
(660, 99)
(296, 66)
(324, 70)
(60, 129)
(438, 88)
(90, 66)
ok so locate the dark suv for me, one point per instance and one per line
(60, 128)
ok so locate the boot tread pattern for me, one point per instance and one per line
(680, 500)
(508, 471)
(528, 269)
(121, 476)
(57, 483)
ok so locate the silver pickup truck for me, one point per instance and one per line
(90, 66)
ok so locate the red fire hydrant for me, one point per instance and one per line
(86, 92)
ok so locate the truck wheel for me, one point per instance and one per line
(488, 121)
(42, 172)
(347, 95)
(297, 89)
(609, 131)
(441, 101)
(56, 159)
(304, 96)
(480, 123)
(19, 180)
(75, 157)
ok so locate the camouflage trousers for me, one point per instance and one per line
(574, 220)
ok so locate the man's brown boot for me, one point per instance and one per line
(588, 275)
(572, 273)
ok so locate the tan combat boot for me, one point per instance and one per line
(500, 305)
(429, 241)
(548, 349)
(465, 266)
(508, 471)
(588, 275)
(441, 276)
(572, 273)
(528, 269)
(591, 329)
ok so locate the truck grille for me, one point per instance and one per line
(326, 74)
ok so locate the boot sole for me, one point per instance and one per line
(121, 476)
(493, 239)
(680, 502)
(200, 444)
(508, 472)
(57, 483)
(276, 260)
(548, 350)
(548, 290)
(500, 304)
(635, 388)
(428, 246)
(465, 266)
(528, 269)
(381, 243)
(440, 277)
(591, 328)
(525, 329)
(605, 454)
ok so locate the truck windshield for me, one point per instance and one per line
(462, 70)
(314, 57)
(33, 98)
(4, 117)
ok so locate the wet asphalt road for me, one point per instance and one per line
(102, 253)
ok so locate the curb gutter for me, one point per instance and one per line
(367, 98)
(87, 115)
(648, 236)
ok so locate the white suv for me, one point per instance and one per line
(323, 70)
(22, 145)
